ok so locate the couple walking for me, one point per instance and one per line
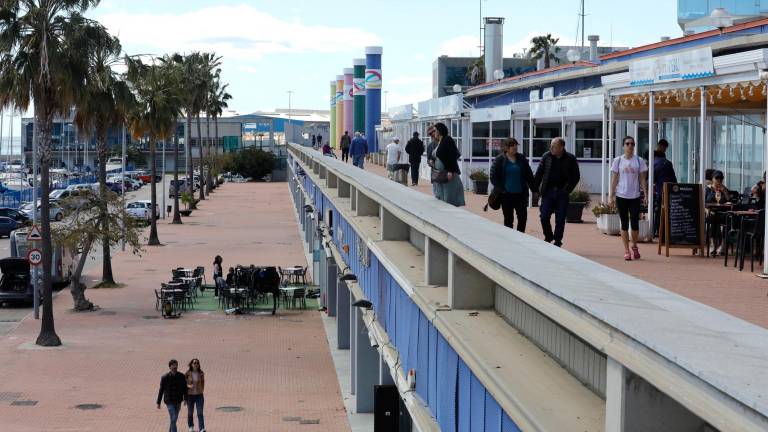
(177, 388)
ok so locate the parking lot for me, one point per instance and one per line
(10, 315)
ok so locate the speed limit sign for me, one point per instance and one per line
(35, 257)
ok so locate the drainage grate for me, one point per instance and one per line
(9, 396)
(150, 317)
(23, 403)
(229, 409)
(309, 421)
(86, 407)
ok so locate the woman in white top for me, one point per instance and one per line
(629, 176)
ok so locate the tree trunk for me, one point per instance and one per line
(208, 182)
(153, 239)
(200, 145)
(47, 336)
(77, 288)
(188, 144)
(546, 57)
(216, 132)
(106, 269)
(176, 214)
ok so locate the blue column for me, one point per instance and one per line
(373, 85)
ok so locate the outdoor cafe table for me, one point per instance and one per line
(187, 272)
(294, 273)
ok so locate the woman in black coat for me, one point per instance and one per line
(512, 174)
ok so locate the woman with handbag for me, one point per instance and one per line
(630, 174)
(512, 178)
(446, 170)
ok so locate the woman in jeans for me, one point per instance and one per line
(512, 175)
(195, 399)
(446, 156)
(629, 176)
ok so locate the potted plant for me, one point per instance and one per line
(578, 199)
(607, 218)
(479, 181)
(186, 198)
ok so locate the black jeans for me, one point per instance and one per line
(415, 172)
(345, 154)
(629, 213)
(511, 204)
(554, 201)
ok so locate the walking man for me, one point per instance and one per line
(414, 148)
(314, 141)
(393, 158)
(358, 150)
(319, 141)
(556, 177)
(345, 142)
(663, 172)
(173, 391)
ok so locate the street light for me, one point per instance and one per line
(721, 19)
(457, 88)
(573, 55)
(498, 74)
(290, 92)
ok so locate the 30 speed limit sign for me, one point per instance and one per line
(35, 257)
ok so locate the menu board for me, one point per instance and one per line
(682, 218)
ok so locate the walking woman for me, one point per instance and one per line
(629, 176)
(218, 272)
(195, 399)
(446, 166)
(512, 175)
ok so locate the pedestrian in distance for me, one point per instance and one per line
(512, 175)
(217, 273)
(195, 400)
(173, 391)
(414, 148)
(393, 158)
(628, 179)
(556, 177)
(314, 140)
(403, 165)
(344, 142)
(328, 151)
(319, 141)
(446, 166)
(431, 161)
(230, 281)
(358, 150)
(663, 172)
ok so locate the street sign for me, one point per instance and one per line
(35, 257)
(34, 234)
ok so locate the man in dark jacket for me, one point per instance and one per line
(414, 148)
(663, 172)
(173, 391)
(344, 143)
(556, 177)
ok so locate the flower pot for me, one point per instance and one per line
(480, 187)
(601, 223)
(645, 230)
(612, 224)
(185, 213)
(575, 210)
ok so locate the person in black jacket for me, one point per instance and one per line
(447, 160)
(512, 175)
(173, 391)
(556, 177)
(414, 148)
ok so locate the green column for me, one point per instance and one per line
(358, 93)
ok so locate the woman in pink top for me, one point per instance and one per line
(629, 176)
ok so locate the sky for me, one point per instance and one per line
(269, 47)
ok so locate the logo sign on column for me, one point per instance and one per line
(35, 257)
(34, 234)
(373, 78)
(358, 87)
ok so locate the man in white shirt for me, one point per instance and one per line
(393, 157)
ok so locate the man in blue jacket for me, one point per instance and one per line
(663, 172)
(358, 150)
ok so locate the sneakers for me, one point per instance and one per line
(635, 253)
(627, 256)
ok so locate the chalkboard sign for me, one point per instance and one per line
(682, 217)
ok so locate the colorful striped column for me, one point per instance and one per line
(339, 110)
(358, 93)
(348, 107)
(372, 95)
(332, 131)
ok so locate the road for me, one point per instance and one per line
(10, 315)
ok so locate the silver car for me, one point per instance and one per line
(55, 211)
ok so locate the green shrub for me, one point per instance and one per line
(251, 162)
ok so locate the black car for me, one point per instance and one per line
(16, 283)
(14, 214)
(7, 225)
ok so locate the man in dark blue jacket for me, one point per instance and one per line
(663, 172)
(358, 150)
(556, 177)
(173, 391)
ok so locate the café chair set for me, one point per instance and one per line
(180, 292)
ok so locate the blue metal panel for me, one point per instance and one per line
(477, 405)
(447, 373)
(422, 368)
(413, 334)
(432, 401)
(404, 319)
(507, 425)
(492, 414)
(464, 397)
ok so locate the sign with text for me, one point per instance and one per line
(682, 217)
(685, 65)
(35, 257)
(578, 106)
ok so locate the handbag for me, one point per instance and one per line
(439, 176)
(494, 200)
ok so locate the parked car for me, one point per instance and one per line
(237, 178)
(55, 211)
(141, 209)
(81, 187)
(7, 225)
(16, 282)
(14, 214)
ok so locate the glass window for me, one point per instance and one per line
(542, 137)
(481, 133)
(589, 140)
(499, 131)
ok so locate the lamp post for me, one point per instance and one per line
(290, 92)
(498, 74)
(386, 92)
(573, 55)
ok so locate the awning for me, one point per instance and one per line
(580, 107)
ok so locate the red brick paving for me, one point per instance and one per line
(273, 367)
(705, 280)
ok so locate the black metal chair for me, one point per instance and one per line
(753, 235)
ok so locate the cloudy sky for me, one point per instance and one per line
(272, 46)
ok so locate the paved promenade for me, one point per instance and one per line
(705, 280)
(278, 369)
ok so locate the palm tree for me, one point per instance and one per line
(158, 105)
(208, 68)
(40, 62)
(102, 107)
(544, 47)
(210, 106)
(170, 62)
(218, 102)
(190, 76)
